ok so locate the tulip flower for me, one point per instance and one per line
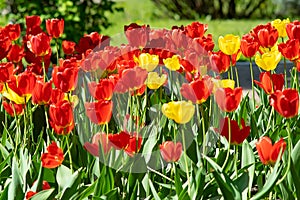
(54, 156)
(268, 61)
(68, 47)
(39, 44)
(179, 111)
(65, 75)
(42, 92)
(13, 109)
(285, 102)
(220, 62)
(172, 63)
(238, 135)
(45, 186)
(154, 81)
(203, 44)
(6, 72)
(269, 153)
(99, 140)
(228, 99)
(13, 31)
(33, 24)
(102, 90)
(293, 30)
(223, 83)
(5, 45)
(268, 84)
(170, 151)
(57, 95)
(15, 54)
(19, 89)
(266, 35)
(92, 41)
(249, 46)
(196, 29)
(290, 49)
(147, 61)
(127, 142)
(137, 36)
(229, 44)
(55, 27)
(61, 117)
(280, 25)
(99, 112)
(197, 91)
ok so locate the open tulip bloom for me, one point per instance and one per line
(152, 118)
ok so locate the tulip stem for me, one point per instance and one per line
(203, 129)
(237, 76)
(44, 69)
(69, 153)
(289, 151)
(57, 50)
(186, 163)
(252, 81)
(160, 174)
(229, 141)
(284, 69)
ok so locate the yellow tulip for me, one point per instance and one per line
(147, 61)
(267, 50)
(268, 61)
(229, 44)
(154, 81)
(11, 95)
(280, 26)
(180, 111)
(172, 63)
(224, 83)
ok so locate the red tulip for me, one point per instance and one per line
(33, 25)
(228, 99)
(57, 95)
(92, 41)
(170, 151)
(13, 30)
(134, 145)
(30, 193)
(197, 91)
(266, 35)
(238, 135)
(131, 79)
(13, 109)
(269, 153)
(98, 140)
(285, 102)
(137, 36)
(220, 62)
(65, 75)
(6, 72)
(270, 85)
(55, 27)
(102, 90)
(15, 54)
(293, 30)
(68, 47)
(99, 112)
(39, 44)
(196, 29)
(206, 44)
(61, 117)
(53, 158)
(42, 92)
(249, 46)
(290, 49)
(5, 44)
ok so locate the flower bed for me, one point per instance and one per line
(151, 118)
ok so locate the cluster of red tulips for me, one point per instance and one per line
(176, 69)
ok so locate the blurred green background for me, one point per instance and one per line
(109, 17)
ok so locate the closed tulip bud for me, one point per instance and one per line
(197, 91)
(55, 27)
(99, 112)
(228, 99)
(171, 151)
(179, 111)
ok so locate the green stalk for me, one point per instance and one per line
(252, 81)
(186, 163)
(229, 141)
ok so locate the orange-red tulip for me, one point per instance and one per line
(266, 35)
(196, 29)
(39, 44)
(220, 62)
(6, 72)
(55, 27)
(238, 135)
(269, 153)
(285, 102)
(33, 24)
(197, 91)
(293, 30)
(137, 36)
(170, 151)
(13, 109)
(102, 90)
(228, 99)
(249, 46)
(30, 193)
(61, 117)
(99, 140)
(42, 92)
(290, 50)
(54, 156)
(268, 84)
(68, 47)
(99, 112)
(13, 30)
(15, 54)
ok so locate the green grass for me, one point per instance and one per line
(144, 12)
